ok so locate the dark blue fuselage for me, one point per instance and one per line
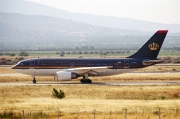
(63, 63)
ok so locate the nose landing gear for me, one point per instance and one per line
(34, 80)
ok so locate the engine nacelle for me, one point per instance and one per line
(65, 76)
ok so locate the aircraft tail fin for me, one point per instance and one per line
(151, 48)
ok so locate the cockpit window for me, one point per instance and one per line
(20, 63)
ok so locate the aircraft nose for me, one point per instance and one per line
(13, 67)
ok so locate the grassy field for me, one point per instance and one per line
(82, 101)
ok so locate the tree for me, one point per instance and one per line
(90, 52)
(61, 53)
(95, 52)
(57, 53)
(6, 53)
(23, 54)
(12, 54)
(85, 52)
(68, 52)
(112, 52)
(101, 52)
(73, 52)
(127, 51)
(79, 52)
(9, 62)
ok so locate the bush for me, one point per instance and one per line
(156, 112)
(58, 94)
(6, 115)
(23, 54)
(9, 62)
(61, 53)
(12, 54)
(3, 58)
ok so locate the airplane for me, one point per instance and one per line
(65, 69)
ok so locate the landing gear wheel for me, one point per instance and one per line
(86, 81)
(89, 81)
(34, 80)
(82, 80)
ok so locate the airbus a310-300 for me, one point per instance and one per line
(72, 68)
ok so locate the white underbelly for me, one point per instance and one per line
(52, 72)
(38, 72)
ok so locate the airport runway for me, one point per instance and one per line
(94, 83)
(175, 72)
(12, 74)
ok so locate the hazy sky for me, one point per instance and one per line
(161, 11)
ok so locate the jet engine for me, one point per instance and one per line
(65, 76)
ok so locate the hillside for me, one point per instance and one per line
(34, 32)
(18, 31)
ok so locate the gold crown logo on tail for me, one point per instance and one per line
(153, 46)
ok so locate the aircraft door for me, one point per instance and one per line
(126, 64)
(72, 64)
(32, 64)
(120, 64)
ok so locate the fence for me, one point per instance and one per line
(158, 113)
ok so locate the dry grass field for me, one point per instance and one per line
(81, 101)
(6, 69)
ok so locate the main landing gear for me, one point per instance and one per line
(86, 80)
(34, 80)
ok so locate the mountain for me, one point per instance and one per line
(35, 32)
(20, 23)
(30, 8)
(27, 32)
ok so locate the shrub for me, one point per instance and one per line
(156, 112)
(58, 94)
(7, 54)
(23, 54)
(61, 53)
(12, 54)
(7, 114)
(9, 62)
(3, 58)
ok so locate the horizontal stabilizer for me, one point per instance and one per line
(150, 62)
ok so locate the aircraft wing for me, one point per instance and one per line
(89, 70)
